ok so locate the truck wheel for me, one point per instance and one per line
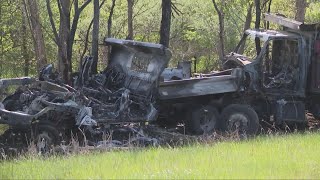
(240, 118)
(46, 136)
(203, 120)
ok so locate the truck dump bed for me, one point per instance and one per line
(200, 86)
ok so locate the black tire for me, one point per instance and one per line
(241, 118)
(45, 137)
(202, 120)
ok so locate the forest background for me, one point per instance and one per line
(34, 33)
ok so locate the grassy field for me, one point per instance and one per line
(291, 156)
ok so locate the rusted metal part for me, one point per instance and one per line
(234, 60)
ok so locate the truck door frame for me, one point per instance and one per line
(300, 78)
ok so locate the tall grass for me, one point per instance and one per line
(292, 156)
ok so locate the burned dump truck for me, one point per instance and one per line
(125, 91)
(276, 85)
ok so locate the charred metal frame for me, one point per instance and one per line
(123, 92)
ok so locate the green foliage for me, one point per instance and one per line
(286, 8)
(273, 157)
(11, 59)
(194, 30)
(313, 13)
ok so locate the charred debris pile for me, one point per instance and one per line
(111, 107)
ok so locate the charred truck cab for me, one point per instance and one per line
(276, 85)
(283, 72)
(278, 75)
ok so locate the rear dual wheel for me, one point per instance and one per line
(234, 118)
(240, 118)
(203, 120)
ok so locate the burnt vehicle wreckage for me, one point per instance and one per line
(276, 85)
(285, 73)
(124, 92)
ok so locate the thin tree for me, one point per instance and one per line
(107, 49)
(110, 17)
(95, 36)
(257, 25)
(165, 23)
(37, 33)
(301, 6)
(220, 12)
(86, 40)
(267, 25)
(130, 19)
(24, 34)
(246, 25)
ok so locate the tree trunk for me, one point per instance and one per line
(64, 31)
(220, 12)
(37, 34)
(269, 10)
(248, 17)
(87, 35)
(65, 38)
(108, 48)
(24, 49)
(86, 41)
(95, 37)
(110, 17)
(257, 25)
(301, 6)
(246, 25)
(165, 23)
(130, 19)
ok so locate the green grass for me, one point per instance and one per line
(291, 156)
